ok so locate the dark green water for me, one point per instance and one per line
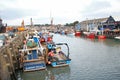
(91, 60)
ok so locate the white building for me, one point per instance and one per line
(89, 25)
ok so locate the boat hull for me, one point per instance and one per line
(91, 36)
(33, 66)
(101, 37)
(61, 63)
(117, 38)
(77, 33)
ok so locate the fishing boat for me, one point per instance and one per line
(89, 35)
(32, 55)
(45, 37)
(70, 34)
(77, 33)
(77, 29)
(102, 36)
(56, 56)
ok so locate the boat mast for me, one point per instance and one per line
(102, 27)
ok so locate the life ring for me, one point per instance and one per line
(50, 46)
(51, 53)
(42, 40)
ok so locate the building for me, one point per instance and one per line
(101, 23)
(117, 25)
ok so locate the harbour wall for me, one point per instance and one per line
(9, 57)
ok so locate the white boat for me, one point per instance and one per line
(71, 34)
(118, 37)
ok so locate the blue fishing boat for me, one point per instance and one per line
(56, 56)
(32, 55)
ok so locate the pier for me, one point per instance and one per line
(112, 34)
(9, 58)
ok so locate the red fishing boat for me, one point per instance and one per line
(77, 33)
(101, 37)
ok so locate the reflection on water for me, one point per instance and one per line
(37, 75)
(61, 73)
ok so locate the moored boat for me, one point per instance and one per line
(89, 35)
(77, 33)
(101, 37)
(45, 37)
(70, 34)
(56, 57)
(77, 29)
(118, 37)
(32, 55)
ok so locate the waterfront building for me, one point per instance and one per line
(117, 24)
(100, 23)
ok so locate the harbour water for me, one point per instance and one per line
(91, 60)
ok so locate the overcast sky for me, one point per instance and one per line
(63, 11)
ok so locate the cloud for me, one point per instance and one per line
(63, 11)
(12, 13)
(101, 9)
(96, 7)
(15, 13)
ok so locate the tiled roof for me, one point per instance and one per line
(95, 20)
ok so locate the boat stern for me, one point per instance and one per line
(60, 63)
